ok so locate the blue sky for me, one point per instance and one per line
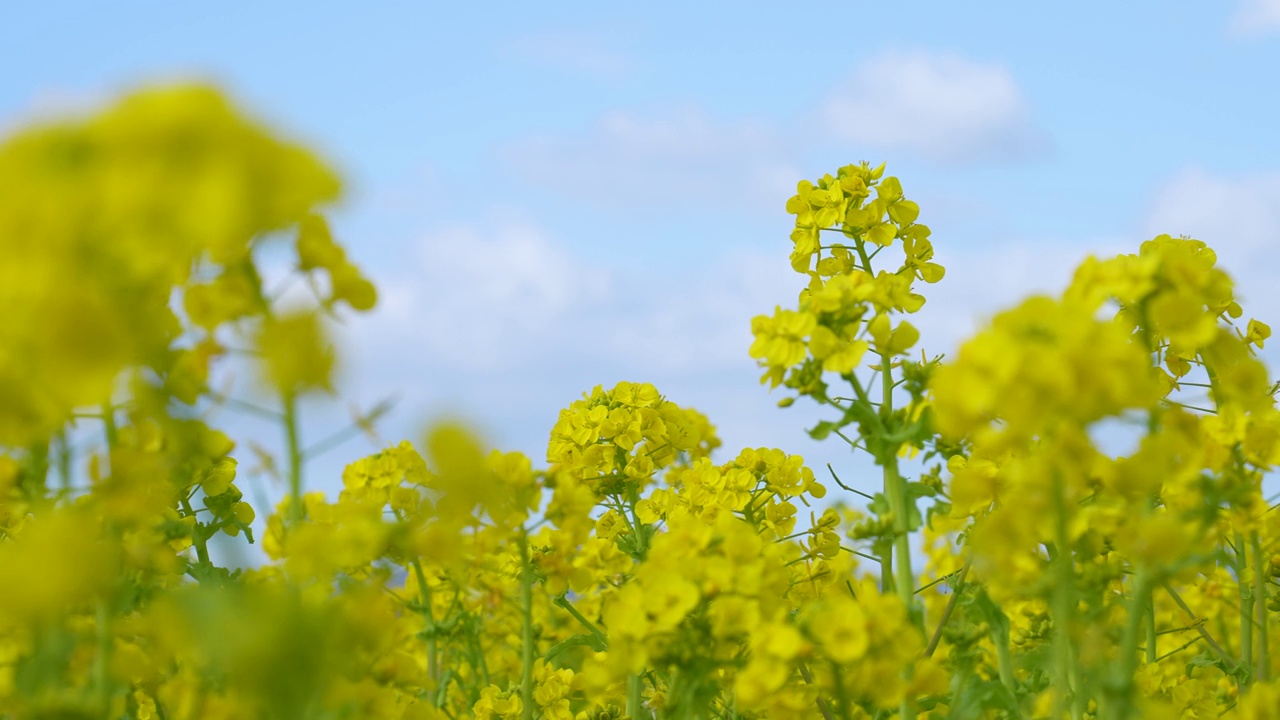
(556, 195)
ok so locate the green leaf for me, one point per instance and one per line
(823, 429)
(879, 504)
(919, 490)
(579, 640)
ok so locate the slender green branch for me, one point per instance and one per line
(563, 602)
(822, 704)
(526, 636)
(246, 407)
(428, 614)
(1198, 624)
(1152, 635)
(942, 579)
(294, 444)
(197, 537)
(1120, 700)
(635, 697)
(846, 487)
(1246, 605)
(949, 609)
(1263, 667)
(1180, 648)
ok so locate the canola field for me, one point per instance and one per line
(638, 570)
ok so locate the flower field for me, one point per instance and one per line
(1009, 567)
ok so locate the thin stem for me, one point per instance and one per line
(102, 658)
(1198, 624)
(860, 554)
(895, 488)
(842, 695)
(198, 539)
(950, 608)
(635, 697)
(1246, 604)
(428, 614)
(294, 444)
(109, 425)
(526, 639)
(1004, 660)
(1120, 703)
(246, 407)
(1189, 407)
(844, 437)
(1260, 603)
(1152, 635)
(822, 704)
(846, 487)
(63, 458)
(1064, 604)
(1180, 648)
(563, 602)
(332, 441)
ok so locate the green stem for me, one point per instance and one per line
(197, 537)
(1004, 660)
(895, 488)
(294, 445)
(956, 588)
(1120, 690)
(428, 614)
(842, 694)
(1064, 605)
(903, 577)
(1246, 605)
(109, 425)
(63, 457)
(36, 472)
(563, 602)
(102, 659)
(526, 639)
(823, 707)
(635, 697)
(886, 571)
(1152, 635)
(1198, 624)
(1260, 602)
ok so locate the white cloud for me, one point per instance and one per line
(984, 281)
(52, 105)
(507, 327)
(579, 51)
(682, 157)
(944, 108)
(473, 298)
(1254, 17)
(1238, 216)
(700, 320)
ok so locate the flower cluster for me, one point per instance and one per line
(634, 576)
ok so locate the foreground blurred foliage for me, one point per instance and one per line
(633, 577)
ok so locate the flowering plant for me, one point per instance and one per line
(1008, 568)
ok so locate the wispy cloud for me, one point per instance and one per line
(509, 326)
(1253, 18)
(983, 281)
(1238, 216)
(944, 108)
(470, 298)
(583, 52)
(681, 157)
